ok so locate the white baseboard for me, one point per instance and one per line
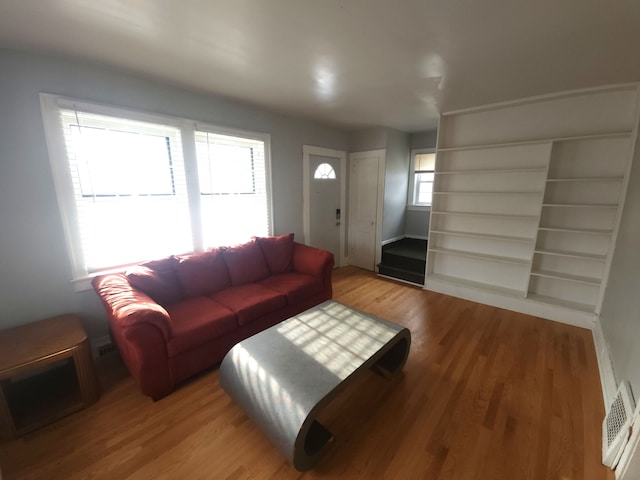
(417, 237)
(391, 240)
(395, 239)
(607, 374)
(401, 280)
(516, 304)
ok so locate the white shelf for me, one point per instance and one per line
(567, 277)
(580, 205)
(482, 256)
(588, 231)
(489, 193)
(557, 168)
(623, 133)
(484, 235)
(475, 214)
(481, 286)
(583, 307)
(566, 253)
(586, 179)
(491, 170)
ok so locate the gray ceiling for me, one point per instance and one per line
(350, 63)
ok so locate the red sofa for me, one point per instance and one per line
(175, 317)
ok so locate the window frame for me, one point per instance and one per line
(51, 104)
(411, 205)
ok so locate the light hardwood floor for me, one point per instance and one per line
(485, 394)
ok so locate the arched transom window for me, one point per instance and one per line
(324, 172)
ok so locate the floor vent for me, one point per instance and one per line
(106, 349)
(103, 346)
(616, 426)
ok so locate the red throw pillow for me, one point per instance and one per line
(246, 263)
(157, 279)
(278, 252)
(202, 273)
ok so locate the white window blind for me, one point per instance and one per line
(129, 188)
(234, 197)
(133, 186)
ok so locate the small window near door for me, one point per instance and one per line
(423, 164)
(324, 172)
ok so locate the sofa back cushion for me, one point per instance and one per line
(202, 273)
(157, 279)
(246, 263)
(278, 252)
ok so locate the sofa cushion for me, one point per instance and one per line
(278, 252)
(296, 286)
(157, 279)
(202, 273)
(195, 321)
(250, 301)
(246, 263)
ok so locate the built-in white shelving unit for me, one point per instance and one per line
(527, 199)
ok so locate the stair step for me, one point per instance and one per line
(405, 259)
(404, 262)
(408, 275)
(407, 247)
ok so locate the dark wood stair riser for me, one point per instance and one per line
(404, 259)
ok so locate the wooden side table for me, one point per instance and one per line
(46, 373)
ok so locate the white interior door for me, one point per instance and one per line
(365, 208)
(324, 173)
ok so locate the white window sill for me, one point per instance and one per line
(81, 284)
(419, 208)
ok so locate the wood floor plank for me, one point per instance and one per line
(485, 394)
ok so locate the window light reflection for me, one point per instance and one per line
(267, 391)
(338, 338)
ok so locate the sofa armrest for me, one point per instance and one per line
(127, 306)
(315, 262)
(140, 327)
(310, 260)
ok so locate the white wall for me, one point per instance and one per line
(416, 224)
(374, 138)
(396, 184)
(620, 315)
(34, 265)
(426, 139)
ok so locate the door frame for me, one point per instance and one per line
(382, 156)
(307, 151)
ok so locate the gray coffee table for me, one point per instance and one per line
(282, 376)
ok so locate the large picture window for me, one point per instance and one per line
(133, 187)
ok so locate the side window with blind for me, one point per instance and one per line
(123, 184)
(422, 174)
